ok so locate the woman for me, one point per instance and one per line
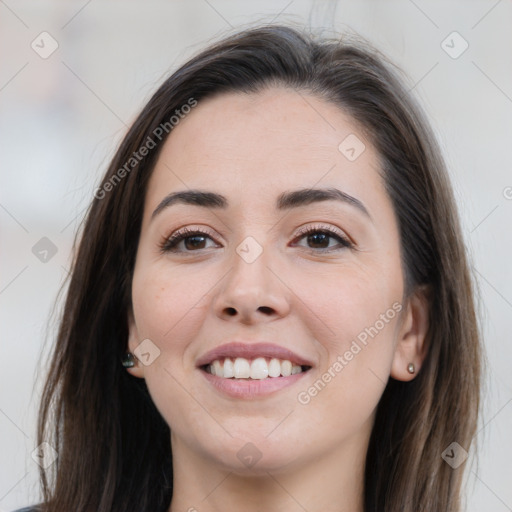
(270, 306)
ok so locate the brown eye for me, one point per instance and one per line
(323, 239)
(194, 242)
(186, 241)
(318, 240)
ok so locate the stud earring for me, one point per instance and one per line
(128, 360)
(411, 368)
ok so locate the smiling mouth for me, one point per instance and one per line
(259, 368)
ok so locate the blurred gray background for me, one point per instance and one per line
(73, 75)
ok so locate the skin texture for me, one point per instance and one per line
(250, 148)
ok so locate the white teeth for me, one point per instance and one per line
(274, 368)
(229, 369)
(296, 369)
(286, 368)
(242, 368)
(217, 368)
(257, 369)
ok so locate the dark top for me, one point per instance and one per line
(28, 509)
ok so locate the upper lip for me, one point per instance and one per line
(251, 351)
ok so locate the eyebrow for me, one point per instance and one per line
(285, 201)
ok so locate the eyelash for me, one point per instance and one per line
(344, 242)
(169, 244)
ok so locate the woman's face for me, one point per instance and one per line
(255, 274)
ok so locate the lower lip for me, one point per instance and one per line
(251, 388)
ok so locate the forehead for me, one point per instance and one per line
(251, 145)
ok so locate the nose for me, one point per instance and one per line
(252, 292)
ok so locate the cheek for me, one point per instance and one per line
(349, 303)
(169, 310)
(355, 322)
(347, 388)
(168, 304)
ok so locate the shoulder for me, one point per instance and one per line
(27, 509)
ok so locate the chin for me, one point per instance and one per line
(256, 456)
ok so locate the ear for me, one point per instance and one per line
(133, 341)
(411, 345)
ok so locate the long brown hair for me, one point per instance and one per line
(113, 445)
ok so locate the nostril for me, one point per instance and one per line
(266, 309)
(231, 311)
